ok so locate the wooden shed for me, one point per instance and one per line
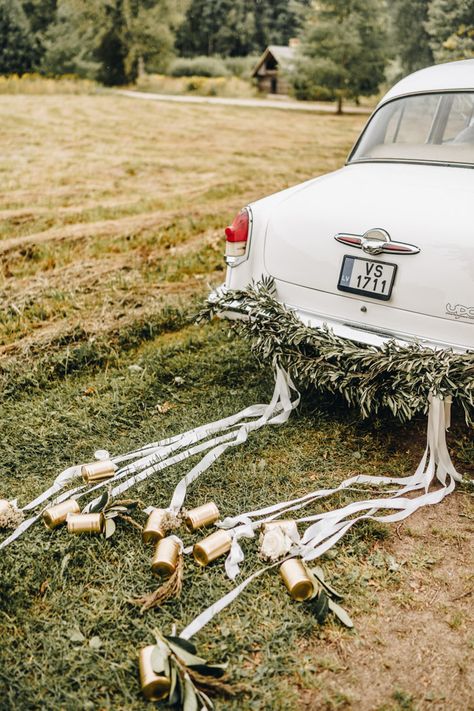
(268, 71)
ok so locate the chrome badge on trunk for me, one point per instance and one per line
(376, 241)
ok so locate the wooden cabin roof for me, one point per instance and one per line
(282, 55)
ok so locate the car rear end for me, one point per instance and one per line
(382, 248)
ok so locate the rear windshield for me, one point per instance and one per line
(431, 128)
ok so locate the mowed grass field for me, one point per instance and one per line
(111, 234)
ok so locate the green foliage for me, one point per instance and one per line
(237, 28)
(345, 50)
(315, 79)
(411, 38)
(191, 677)
(451, 28)
(198, 67)
(241, 66)
(399, 378)
(151, 34)
(18, 47)
(106, 40)
(40, 13)
(70, 41)
(112, 49)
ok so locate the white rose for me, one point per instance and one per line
(274, 544)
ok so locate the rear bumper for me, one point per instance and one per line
(353, 332)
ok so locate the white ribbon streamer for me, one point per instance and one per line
(159, 455)
(236, 555)
(206, 616)
(329, 527)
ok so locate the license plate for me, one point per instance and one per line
(367, 277)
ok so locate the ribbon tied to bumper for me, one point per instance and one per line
(327, 528)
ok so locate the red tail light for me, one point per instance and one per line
(237, 235)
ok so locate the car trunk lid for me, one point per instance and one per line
(429, 207)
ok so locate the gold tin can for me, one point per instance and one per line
(85, 523)
(153, 530)
(56, 515)
(155, 687)
(212, 547)
(296, 579)
(97, 471)
(202, 516)
(285, 525)
(165, 557)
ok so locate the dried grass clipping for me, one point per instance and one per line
(172, 521)
(210, 685)
(170, 589)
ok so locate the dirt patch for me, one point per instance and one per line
(415, 649)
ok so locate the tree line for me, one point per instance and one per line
(345, 45)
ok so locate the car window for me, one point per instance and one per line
(435, 127)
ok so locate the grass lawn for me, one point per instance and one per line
(111, 218)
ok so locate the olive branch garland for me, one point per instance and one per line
(393, 376)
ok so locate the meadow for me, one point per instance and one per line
(111, 235)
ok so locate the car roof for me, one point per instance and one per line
(441, 77)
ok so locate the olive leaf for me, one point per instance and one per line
(190, 696)
(110, 513)
(101, 503)
(191, 660)
(320, 606)
(207, 703)
(182, 643)
(215, 670)
(174, 695)
(340, 613)
(109, 527)
(159, 659)
(318, 573)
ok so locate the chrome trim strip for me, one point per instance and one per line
(389, 247)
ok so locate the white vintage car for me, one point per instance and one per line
(384, 247)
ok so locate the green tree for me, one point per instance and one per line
(412, 41)
(450, 26)
(151, 29)
(105, 39)
(236, 28)
(344, 51)
(19, 50)
(70, 42)
(112, 49)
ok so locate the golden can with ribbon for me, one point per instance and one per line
(155, 687)
(166, 556)
(202, 516)
(85, 523)
(98, 471)
(153, 530)
(297, 581)
(212, 547)
(286, 525)
(56, 515)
